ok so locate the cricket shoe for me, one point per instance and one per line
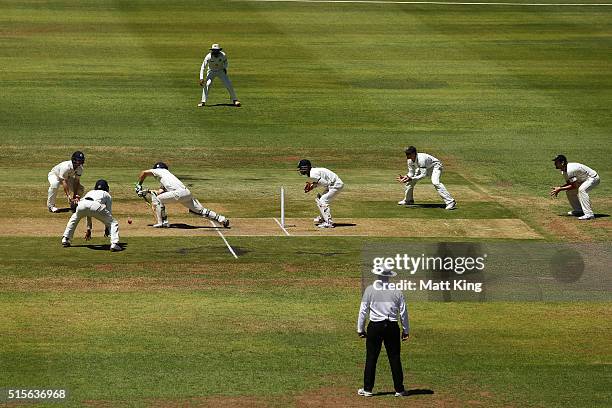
(162, 225)
(223, 221)
(237, 103)
(364, 393)
(116, 248)
(586, 217)
(201, 104)
(318, 220)
(451, 206)
(401, 394)
(65, 242)
(53, 209)
(405, 202)
(326, 225)
(575, 213)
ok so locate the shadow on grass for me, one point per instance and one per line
(576, 216)
(100, 247)
(187, 226)
(221, 104)
(407, 393)
(62, 210)
(426, 205)
(344, 224)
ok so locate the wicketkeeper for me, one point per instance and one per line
(97, 204)
(320, 176)
(172, 190)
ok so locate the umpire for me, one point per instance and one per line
(384, 306)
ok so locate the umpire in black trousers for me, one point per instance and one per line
(384, 306)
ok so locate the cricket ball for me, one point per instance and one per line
(129, 220)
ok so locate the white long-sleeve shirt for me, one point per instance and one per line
(383, 305)
(213, 63)
(101, 197)
(418, 169)
(577, 172)
(65, 170)
(324, 177)
(168, 181)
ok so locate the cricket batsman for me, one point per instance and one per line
(173, 190)
(320, 176)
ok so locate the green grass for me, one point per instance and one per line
(495, 92)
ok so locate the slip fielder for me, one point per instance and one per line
(579, 181)
(320, 176)
(173, 190)
(421, 165)
(68, 175)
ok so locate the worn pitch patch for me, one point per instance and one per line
(54, 225)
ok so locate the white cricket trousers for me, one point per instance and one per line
(579, 197)
(184, 197)
(55, 184)
(210, 75)
(434, 172)
(323, 203)
(88, 208)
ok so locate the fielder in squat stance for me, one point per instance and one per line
(579, 181)
(97, 204)
(421, 165)
(320, 176)
(173, 190)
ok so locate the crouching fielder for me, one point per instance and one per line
(579, 181)
(320, 176)
(97, 204)
(173, 190)
(421, 165)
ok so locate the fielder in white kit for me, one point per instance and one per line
(98, 204)
(215, 63)
(320, 176)
(173, 190)
(421, 165)
(66, 174)
(579, 181)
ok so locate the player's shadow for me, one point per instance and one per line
(100, 247)
(221, 104)
(344, 224)
(426, 205)
(62, 210)
(408, 393)
(576, 216)
(188, 226)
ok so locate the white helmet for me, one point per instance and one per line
(215, 47)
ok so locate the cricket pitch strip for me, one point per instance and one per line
(506, 228)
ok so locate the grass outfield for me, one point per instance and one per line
(493, 91)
